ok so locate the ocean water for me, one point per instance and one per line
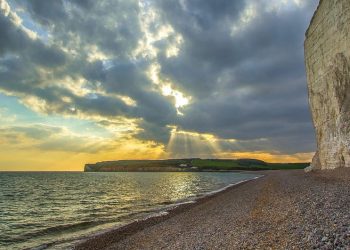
(55, 210)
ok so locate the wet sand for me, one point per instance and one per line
(282, 210)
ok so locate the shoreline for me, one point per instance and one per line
(286, 209)
(105, 238)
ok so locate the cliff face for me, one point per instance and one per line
(327, 59)
(174, 165)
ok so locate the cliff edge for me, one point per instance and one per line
(327, 59)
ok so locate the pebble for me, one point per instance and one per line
(299, 212)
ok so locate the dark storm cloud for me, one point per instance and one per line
(87, 4)
(129, 79)
(269, 47)
(150, 131)
(15, 40)
(111, 25)
(47, 11)
(248, 85)
(126, 78)
(207, 48)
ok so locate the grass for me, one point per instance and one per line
(244, 164)
(287, 166)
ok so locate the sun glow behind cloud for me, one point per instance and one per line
(149, 19)
(166, 88)
(180, 99)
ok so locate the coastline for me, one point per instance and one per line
(283, 209)
(107, 237)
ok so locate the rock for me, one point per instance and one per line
(308, 169)
(327, 59)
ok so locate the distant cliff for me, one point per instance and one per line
(181, 165)
(327, 58)
(141, 165)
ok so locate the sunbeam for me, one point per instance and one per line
(183, 144)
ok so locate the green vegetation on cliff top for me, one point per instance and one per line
(195, 164)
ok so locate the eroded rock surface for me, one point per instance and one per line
(327, 58)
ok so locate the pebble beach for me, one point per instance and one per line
(287, 209)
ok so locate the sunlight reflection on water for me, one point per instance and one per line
(38, 208)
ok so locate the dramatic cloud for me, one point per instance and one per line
(231, 72)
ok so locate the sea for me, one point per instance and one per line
(55, 210)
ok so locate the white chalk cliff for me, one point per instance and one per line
(327, 59)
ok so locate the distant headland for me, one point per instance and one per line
(188, 165)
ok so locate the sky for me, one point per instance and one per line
(83, 81)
